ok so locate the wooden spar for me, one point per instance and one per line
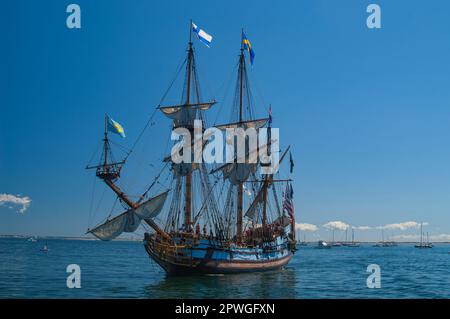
(188, 178)
(266, 184)
(105, 141)
(121, 194)
(241, 74)
(192, 106)
(272, 181)
(264, 216)
(240, 185)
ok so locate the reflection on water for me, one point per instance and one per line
(273, 284)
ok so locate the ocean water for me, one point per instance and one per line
(123, 270)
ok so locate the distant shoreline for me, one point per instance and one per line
(138, 240)
(63, 237)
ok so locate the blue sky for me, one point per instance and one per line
(366, 111)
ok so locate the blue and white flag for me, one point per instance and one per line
(202, 35)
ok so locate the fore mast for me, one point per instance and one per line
(109, 173)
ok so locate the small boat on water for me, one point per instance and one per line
(45, 248)
(334, 243)
(302, 243)
(384, 243)
(353, 243)
(32, 240)
(323, 245)
(390, 244)
(423, 244)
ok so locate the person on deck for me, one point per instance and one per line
(197, 229)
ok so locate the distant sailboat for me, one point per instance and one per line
(45, 248)
(302, 243)
(389, 243)
(384, 243)
(334, 243)
(423, 244)
(353, 243)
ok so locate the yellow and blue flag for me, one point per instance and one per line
(248, 47)
(115, 127)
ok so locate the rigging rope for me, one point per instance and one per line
(153, 183)
(155, 110)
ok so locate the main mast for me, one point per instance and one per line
(188, 179)
(240, 185)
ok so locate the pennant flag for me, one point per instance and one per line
(270, 114)
(202, 35)
(115, 127)
(291, 161)
(248, 47)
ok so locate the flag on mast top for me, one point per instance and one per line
(202, 35)
(248, 47)
(115, 127)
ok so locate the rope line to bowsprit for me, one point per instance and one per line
(150, 120)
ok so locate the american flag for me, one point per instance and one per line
(288, 203)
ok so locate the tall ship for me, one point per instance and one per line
(213, 218)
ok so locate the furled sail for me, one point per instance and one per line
(239, 172)
(130, 220)
(251, 211)
(185, 113)
(256, 124)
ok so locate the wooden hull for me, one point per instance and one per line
(219, 267)
(209, 265)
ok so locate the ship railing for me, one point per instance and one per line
(174, 253)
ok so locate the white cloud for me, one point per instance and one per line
(416, 238)
(440, 237)
(402, 226)
(336, 225)
(362, 227)
(306, 227)
(24, 201)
